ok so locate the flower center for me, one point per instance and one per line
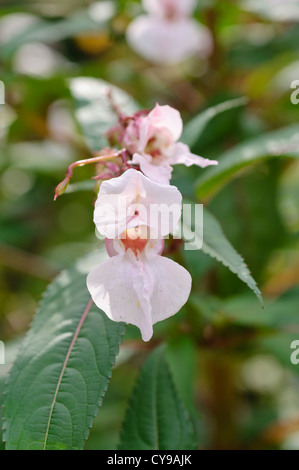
(158, 143)
(135, 239)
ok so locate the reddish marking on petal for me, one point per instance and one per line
(135, 239)
(135, 245)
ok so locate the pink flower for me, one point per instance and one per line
(137, 285)
(168, 34)
(169, 8)
(131, 200)
(152, 140)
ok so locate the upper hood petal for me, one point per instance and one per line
(131, 200)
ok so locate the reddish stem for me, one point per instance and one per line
(61, 187)
(121, 116)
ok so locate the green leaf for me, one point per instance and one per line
(54, 31)
(214, 243)
(196, 126)
(283, 142)
(156, 418)
(181, 357)
(94, 111)
(247, 210)
(11, 350)
(278, 314)
(80, 186)
(41, 157)
(2, 386)
(61, 375)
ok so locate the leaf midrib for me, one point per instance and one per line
(64, 366)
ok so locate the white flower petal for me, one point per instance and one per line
(140, 292)
(163, 122)
(144, 133)
(118, 289)
(114, 247)
(160, 173)
(154, 248)
(166, 117)
(168, 42)
(118, 198)
(181, 154)
(171, 287)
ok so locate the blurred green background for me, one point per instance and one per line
(230, 360)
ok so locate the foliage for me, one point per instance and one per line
(225, 360)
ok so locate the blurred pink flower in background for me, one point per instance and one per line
(168, 34)
(169, 8)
